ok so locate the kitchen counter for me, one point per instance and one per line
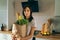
(6, 32)
(57, 36)
(37, 36)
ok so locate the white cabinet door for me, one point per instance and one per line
(5, 36)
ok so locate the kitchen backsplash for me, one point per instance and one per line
(3, 12)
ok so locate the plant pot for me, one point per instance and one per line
(19, 29)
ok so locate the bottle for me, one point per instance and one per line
(2, 28)
(34, 38)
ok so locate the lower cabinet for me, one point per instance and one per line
(5, 36)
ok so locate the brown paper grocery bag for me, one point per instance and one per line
(19, 29)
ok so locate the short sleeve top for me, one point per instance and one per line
(30, 25)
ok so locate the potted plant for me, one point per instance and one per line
(20, 26)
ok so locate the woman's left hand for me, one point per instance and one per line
(24, 39)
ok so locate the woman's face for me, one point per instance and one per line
(27, 12)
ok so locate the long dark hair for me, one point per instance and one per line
(30, 18)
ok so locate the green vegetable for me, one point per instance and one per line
(22, 22)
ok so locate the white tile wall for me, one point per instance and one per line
(3, 12)
(40, 20)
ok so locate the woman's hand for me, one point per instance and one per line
(29, 36)
(13, 37)
(16, 37)
(24, 38)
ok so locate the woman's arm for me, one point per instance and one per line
(31, 34)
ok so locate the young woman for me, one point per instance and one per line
(27, 13)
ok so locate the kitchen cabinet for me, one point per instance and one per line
(57, 7)
(5, 36)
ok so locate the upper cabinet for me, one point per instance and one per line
(57, 7)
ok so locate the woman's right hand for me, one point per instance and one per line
(13, 37)
(16, 37)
